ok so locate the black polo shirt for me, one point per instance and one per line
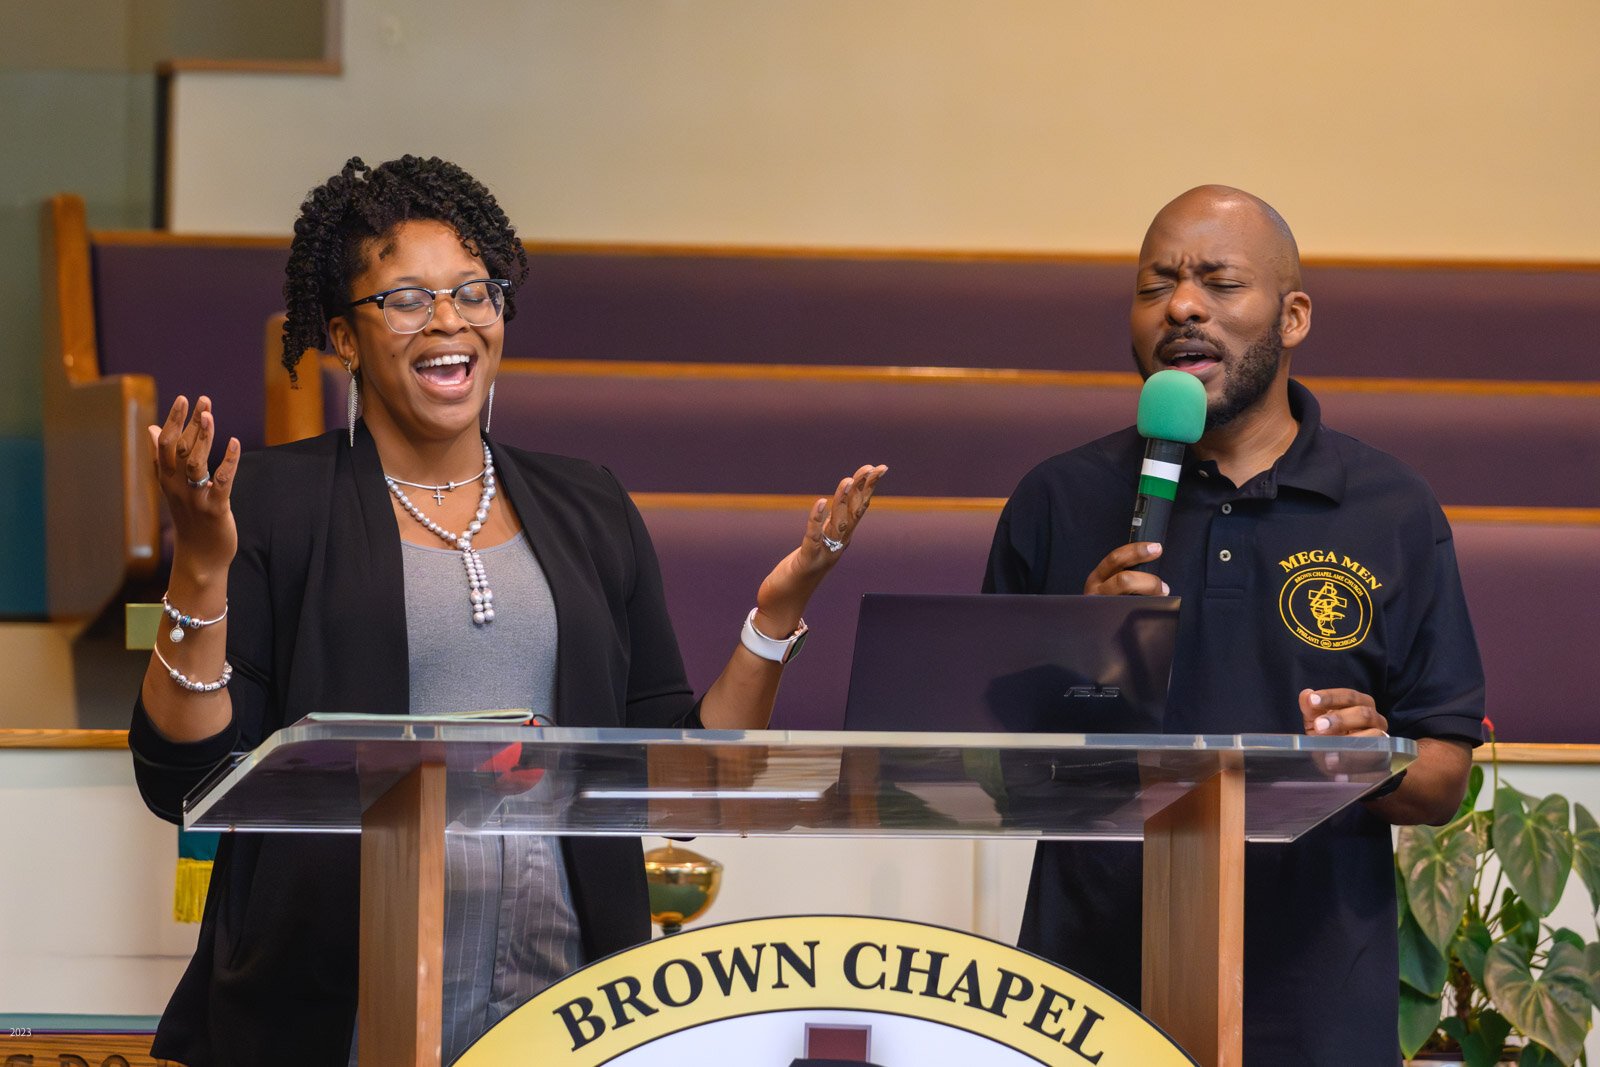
(1333, 569)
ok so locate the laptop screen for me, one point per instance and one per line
(1012, 664)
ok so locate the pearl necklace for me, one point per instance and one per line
(478, 591)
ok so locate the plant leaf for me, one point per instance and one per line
(1472, 947)
(1419, 1015)
(1551, 1008)
(1484, 1046)
(1483, 821)
(1439, 866)
(1591, 965)
(1538, 1056)
(1474, 788)
(1586, 848)
(1569, 936)
(1518, 923)
(1534, 847)
(1422, 967)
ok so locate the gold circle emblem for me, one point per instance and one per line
(1326, 608)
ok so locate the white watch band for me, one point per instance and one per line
(776, 649)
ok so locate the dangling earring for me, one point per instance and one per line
(352, 400)
(489, 418)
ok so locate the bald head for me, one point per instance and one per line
(1218, 295)
(1241, 219)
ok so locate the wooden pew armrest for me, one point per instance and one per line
(102, 505)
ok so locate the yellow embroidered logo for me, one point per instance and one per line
(1327, 600)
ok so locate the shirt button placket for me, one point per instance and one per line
(1228, 532)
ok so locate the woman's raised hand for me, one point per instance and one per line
(202, 520)
(830, 525)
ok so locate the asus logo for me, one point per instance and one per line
(1094, 691)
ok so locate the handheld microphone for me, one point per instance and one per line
(1172, 414)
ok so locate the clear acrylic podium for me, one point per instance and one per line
(402, 784)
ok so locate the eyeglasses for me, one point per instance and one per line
(479, 302)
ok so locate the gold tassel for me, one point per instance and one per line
(189, 896)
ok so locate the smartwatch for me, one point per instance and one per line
(776, 649)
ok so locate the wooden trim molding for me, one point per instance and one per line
(817, 372)
(165, 239)
(935, 375)
(63, 739)
(1020, 256)
(890, 502)
(1523, 516)
(1511, 752)
(799, 503)
(322, 67)
(946, 255)
(848, 254)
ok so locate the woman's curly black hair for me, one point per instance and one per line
(360, 203)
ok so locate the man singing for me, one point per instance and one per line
(1320, 595)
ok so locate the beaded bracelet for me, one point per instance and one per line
(185, 682)
(192, 622)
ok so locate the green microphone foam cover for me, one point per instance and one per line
(1172, 407)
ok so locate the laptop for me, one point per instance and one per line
(1011, 664)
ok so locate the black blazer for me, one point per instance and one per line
(317, 622)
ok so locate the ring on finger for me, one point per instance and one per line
(203, 483)
(831, 545)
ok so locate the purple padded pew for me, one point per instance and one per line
(1531, 589)
(977, 438)
(190, 315)
(712, 560)
(1061, 313)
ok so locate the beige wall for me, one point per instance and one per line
(1429, 128)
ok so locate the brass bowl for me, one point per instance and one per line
(682, 885)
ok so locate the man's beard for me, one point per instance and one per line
(1245, 378)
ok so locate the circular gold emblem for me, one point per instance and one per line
(1326, 608)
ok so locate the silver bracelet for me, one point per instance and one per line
(192, 686)
(191, 622)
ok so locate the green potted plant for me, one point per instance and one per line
(1483, 977)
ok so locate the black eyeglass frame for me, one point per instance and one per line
(435, 294)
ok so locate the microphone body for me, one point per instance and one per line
(1158, 488)
(1172, 415)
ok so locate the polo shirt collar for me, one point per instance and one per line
(1312, 463)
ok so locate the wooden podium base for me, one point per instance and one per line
(1193, 985)
(401, 999)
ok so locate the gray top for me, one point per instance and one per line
(509, 925)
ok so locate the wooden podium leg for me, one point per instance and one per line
(1194, 920)
(402, 923)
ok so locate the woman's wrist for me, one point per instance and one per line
(198, 575)
(776, 623)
